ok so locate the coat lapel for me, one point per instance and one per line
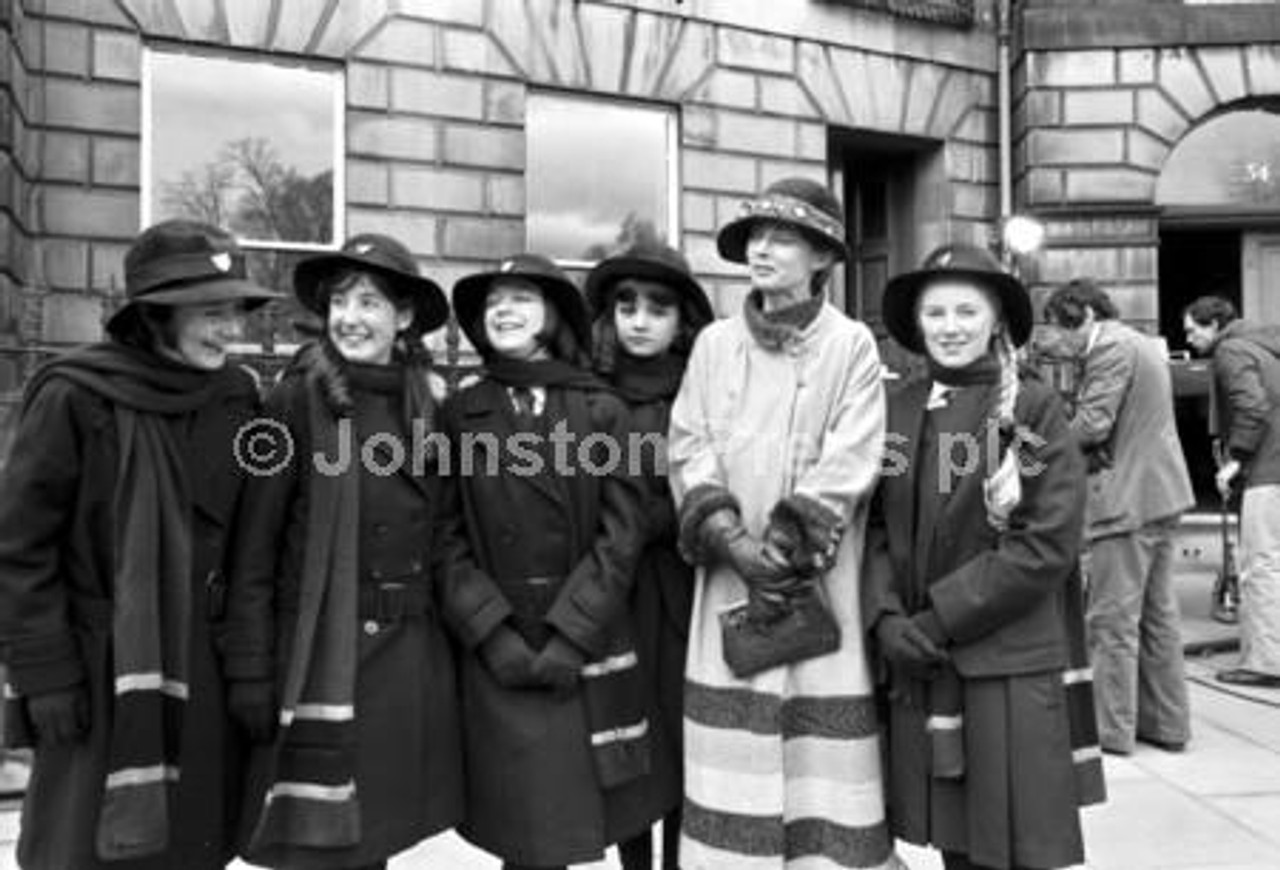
(490, 412)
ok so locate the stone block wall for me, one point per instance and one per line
(436, 92)
(1102, 97)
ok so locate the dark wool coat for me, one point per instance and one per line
(408, 763)
(1001, 599)
(1246, 380)
(532, 791)
(56, 557)
(661, 605)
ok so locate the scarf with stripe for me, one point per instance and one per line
(151, 580)
(312, 798)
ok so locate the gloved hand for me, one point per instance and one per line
(559, 666)
(508, 658)
(905, 644)
(252, 705)
(758, 563)
(60, 717)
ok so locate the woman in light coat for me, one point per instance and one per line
(775, 444)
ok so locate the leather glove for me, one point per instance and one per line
(252, 705)
(756, 562)
(508, 658)
(905, 644)
(60, 717)
(559, 666)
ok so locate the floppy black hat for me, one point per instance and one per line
(799, 202)
(185, 262)
(383, 256)
(470, 292)
(956, 260)
(650, 262)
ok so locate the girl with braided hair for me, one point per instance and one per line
(972, 596)
(339, 664)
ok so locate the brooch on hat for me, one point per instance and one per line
(221, 262)
(364, 247)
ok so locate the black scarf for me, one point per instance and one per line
(541, 373)
(984, 370)
(151, 573)
(648, 379)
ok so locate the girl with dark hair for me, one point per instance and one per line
(339, 662)
(542, 533)
(972, 597)
(116, 521)
(648, 310)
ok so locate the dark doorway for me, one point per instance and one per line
(1193, 263)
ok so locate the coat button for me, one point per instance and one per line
(371, 627)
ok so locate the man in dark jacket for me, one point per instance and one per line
(1246, 399)
(1138, 490)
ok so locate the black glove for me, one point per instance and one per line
(756, 562)
(559, 665)
(60, 717)
(508, 658)
(906, 645)
(252, 705)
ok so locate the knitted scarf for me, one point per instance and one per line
(647, 379)
(312, 800)
(150, 583)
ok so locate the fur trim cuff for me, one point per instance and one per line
(699, 503)
(809, 531)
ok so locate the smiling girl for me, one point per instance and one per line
(332, 630)
(116, 521)
(540, 561)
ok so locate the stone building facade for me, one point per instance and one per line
(897, 103)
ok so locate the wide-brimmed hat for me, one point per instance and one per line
(382, 256)
(956, 261)
(185, 262)
(798, 202)
(470, 292)
(649, 262)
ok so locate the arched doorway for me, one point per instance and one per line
(1219, 196)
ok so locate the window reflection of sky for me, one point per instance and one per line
(1230, 160)
(199, 103)
(591, 163)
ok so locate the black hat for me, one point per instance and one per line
(798, 202)
(956, 260)
(470, 292)
(185, 262)
(385, 257)
(651, 262)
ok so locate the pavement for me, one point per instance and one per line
(1215, 806)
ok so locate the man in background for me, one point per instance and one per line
(1246, 406)
(1138, 489)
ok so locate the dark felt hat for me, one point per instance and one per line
(962, 261)
(185, 262)
(382, 256)
(470, 292)
(650, 262)
(798, 202)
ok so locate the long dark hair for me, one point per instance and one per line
(604, 332)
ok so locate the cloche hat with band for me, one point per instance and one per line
(798, 202)
(956, 261)
(185, 262)
(383, 256)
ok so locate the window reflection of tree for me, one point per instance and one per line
(249, 189)
(634, 230)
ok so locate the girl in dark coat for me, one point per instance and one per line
(115, 523)
(543, 530)
(331, 606)
(972, 592)
(648, 310)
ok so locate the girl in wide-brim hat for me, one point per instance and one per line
(973, 597)
(544, 533)
(337, 546)
(648, 309)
